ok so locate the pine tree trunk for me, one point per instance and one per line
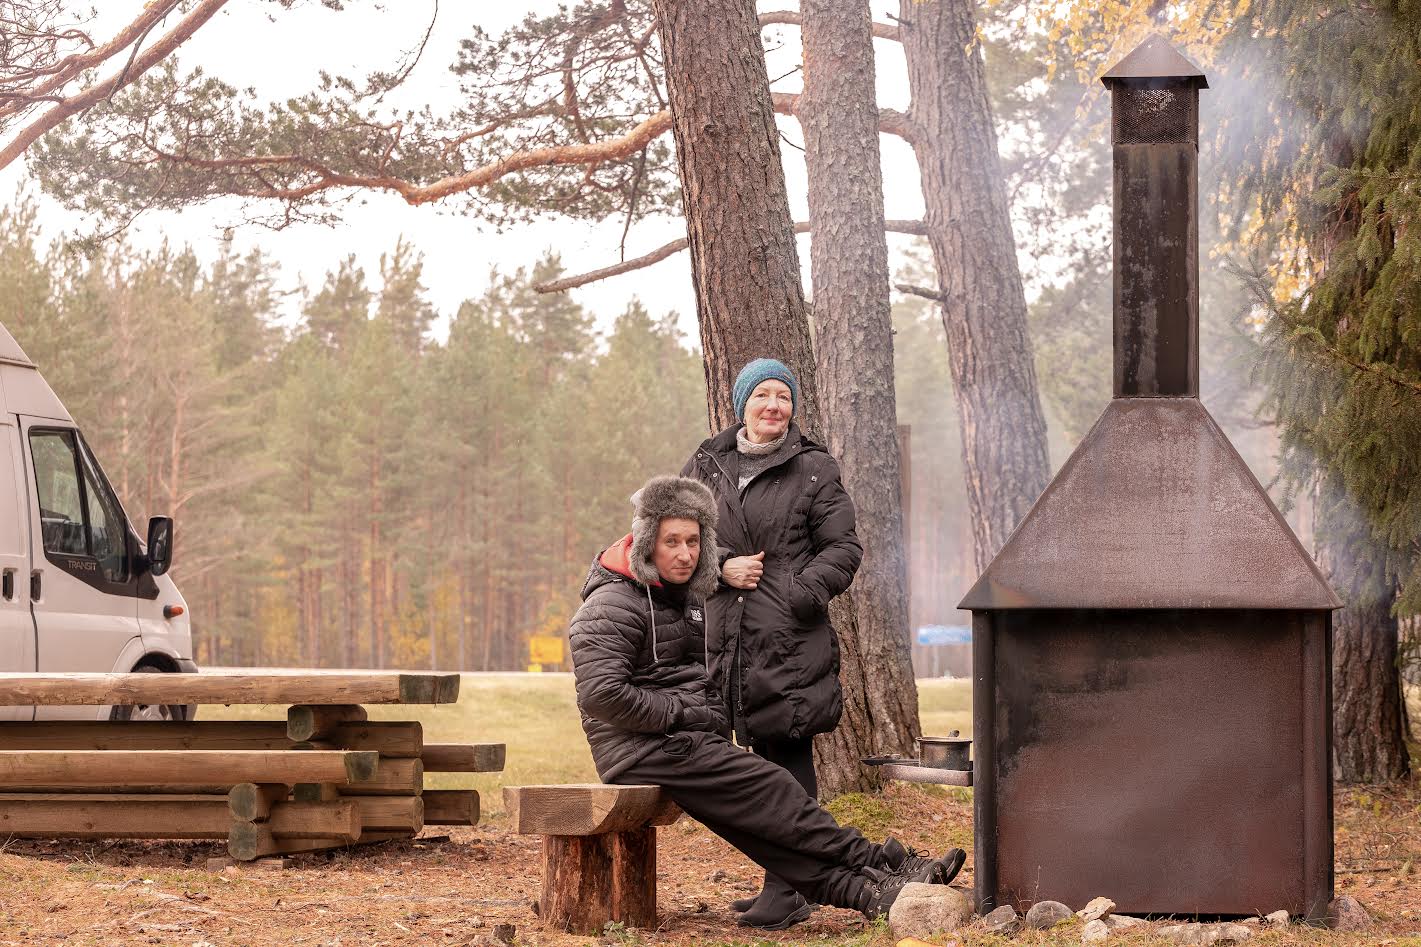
(316, 618)
(463, 566)
(377, 568)
(1004, 452)
(744, 262)
(853, 357)
(349, 574)
(1369, 733)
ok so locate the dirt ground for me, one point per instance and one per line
(457, 890)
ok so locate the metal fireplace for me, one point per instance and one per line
(1152, 660)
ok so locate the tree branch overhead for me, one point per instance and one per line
(915, 227)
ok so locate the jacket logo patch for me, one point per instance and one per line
(696, 614)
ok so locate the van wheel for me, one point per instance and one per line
(146, 711)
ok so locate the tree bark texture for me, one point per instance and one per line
(744, 263)
(591, 880)
(1004, 447)
(1368, 717)
(854, 370)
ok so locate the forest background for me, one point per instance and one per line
(353, 488)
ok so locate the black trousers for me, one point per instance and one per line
(762, 810)
(796, 756)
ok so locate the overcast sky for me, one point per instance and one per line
(257, 44)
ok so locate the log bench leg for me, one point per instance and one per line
(589, 880)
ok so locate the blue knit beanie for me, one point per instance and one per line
(763, 369)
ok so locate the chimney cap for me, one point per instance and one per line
(1155, 58)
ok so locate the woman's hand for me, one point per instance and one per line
(743, 572)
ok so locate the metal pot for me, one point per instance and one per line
(949, 752)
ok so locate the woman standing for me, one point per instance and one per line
(786, 547)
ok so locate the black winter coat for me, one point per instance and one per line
(636, 684)
(778, 634)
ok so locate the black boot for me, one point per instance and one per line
(741, 905)
(880, 889)
(895, 856)
(777, 907)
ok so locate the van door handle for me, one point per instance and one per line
(35, 586)
(7, 585)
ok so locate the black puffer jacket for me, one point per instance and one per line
(639, 660)
(798, 513)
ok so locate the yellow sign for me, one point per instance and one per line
(545, 649)
(535, 669)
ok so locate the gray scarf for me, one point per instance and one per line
(756, 458)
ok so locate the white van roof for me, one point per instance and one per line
(23, 389)
(10, 351)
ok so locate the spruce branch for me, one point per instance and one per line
(1310, 338)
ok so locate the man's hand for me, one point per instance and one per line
(743, 572)
(699, 717)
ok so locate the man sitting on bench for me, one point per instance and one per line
(638, 652)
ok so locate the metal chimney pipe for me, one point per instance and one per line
(1155, 138)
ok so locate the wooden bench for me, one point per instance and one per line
(325, 777)
(599, 851)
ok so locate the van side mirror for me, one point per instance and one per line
(160, 544)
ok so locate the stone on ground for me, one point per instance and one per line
(1347, 914)
(922, 910)
(1096, 909)
(1120, 921)
(1096, 932)
(1199, 934)
(1002, 920)
(1277, 919)
(1044, 914)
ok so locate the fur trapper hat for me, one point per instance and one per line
(682, 498)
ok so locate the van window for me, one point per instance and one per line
(108, 529)
(61, 505)
(79, 515)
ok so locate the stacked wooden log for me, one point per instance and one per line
(326, 777)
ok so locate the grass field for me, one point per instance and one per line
(454, 884)
(535, 715)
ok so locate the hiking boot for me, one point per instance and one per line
(894, 855)
(881, 888)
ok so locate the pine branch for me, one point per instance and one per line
(325, 178)
(102, 90)
(64, 71)
(795, 18)
(915, 227)
(922, 291)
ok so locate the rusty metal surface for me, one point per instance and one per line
(1154, 509)
(984, 765)
(1152, 758)
(1156, 275)
(1155, 58)
(1316, 772)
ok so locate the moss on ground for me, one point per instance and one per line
(869, 814)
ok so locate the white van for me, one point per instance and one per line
(78, 590)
